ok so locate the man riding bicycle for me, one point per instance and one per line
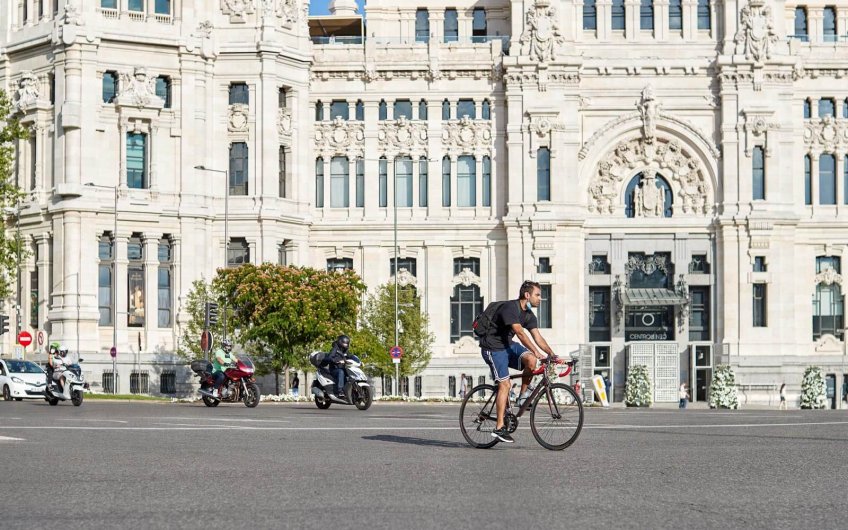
(501, 353)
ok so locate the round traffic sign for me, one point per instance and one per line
(39, 338)
(113, 352)
(24, 338)
(206, 341)
(396, 352)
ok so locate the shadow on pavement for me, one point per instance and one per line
(415, 441)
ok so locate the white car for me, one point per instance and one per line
(21, 379)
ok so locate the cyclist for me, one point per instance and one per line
(501, 353)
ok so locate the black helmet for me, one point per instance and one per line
(227, 345)
(343, 343)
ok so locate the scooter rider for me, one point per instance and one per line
(223, 360)
(53, 351)
(57, 363)
(335, 361)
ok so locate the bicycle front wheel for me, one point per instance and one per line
(478, 417)
(556, 417)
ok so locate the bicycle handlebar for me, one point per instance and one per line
(547, 360)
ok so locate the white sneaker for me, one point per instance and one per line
(215, 393)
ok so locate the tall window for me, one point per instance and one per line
(402, 107)
(543, 174)
(472, 264)
(704, 18)
(808, 109)
(446, 182)
(760, 264)
(801, 24)
(360, 182)
(163, 89)
(360, 110)
(808, 180)
(238, 168)
(238, 252)
(828, 304)
(446, 114)
(478, 25)
(384, 182)
(164, 284)
(465, 107)
(829, 24)
(109, 86)
(281, 172)
(423, 185)
(319, 182)
(466, 181)
(339, 109)
(487, 181)
(383, 111)
(646, 14)
(135, 5)
(590, 15)
(403, 181)
(422, 25)
(827, 107)
(106, 257)
(136, 160)
(544, 311)
(136, 292)
(486, 110)
(319, 110)
(466, 303)
(675, 14)
(422, 110)
(844, 107)
(33, 294)
(410, 264)
(339, 182)
(163, 7)
(339, 264)
(618, 15)
(599, 318)
(760, 303)
(827, 179)
(282, 97)
(451, 25)
(239, 93)
(106, 4)
(699, 313)
(759, 174)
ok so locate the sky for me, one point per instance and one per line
(321, 7)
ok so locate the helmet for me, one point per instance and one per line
(54, 347)
(63, 350)
(343, 343)
(227, 345)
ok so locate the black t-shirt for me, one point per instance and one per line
(508, 314)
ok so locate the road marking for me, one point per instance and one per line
(83, 419)
(224, 418)
(10, 439)
(714, 426)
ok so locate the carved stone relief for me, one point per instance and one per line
(238, 117)
(649, 110)
(826, 134)
(403, 137)
(404, 278)
(284, 122)
(27, 92)
(237, 9)
(467, 136)
(288, 11)
(541, 36)
(138, 90)
(756, 37)
(828, 277)
(649, 201)
(757, 125)
(466, 278)
(340, 138)
(541, 129)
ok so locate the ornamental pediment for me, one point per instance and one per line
(756, 38)
(467, 136)
(403, 137)
(138, 90)
(340, 138)
(826, 134)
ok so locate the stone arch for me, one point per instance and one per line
(681, 153)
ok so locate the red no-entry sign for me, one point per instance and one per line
(24, 338)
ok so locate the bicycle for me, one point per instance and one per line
(560, 413)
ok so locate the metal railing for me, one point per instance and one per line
(338, 40)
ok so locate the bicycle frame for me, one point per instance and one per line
(544, 384)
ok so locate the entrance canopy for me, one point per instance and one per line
(652, 297)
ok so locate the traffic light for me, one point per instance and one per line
(4, 324)
(211, 314)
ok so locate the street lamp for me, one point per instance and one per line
(226, 226)
(114, 288)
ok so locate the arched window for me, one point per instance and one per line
(339, 182)
(618, 14)
(808, 109)
(828, 304)
(829, 24)
(319, 182)
(466, 302)
(422, 110)
(827, 179)
(704, 18)
(646, 14)
(543, 174)
(487, 181)
(423, 185)
(808, 180)
(319, 111)
(675, 14)
(446, 114)
(590, 15)
(384, 181)
(446, 184)
(466, 181)
(360, 110)
(383, 110)
(403, 181)
(758, 181)
(801, 24)
(486, 111)
(640, 200)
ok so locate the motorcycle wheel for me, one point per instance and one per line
(53, 401)
(7, 395)
(210, 402)
(251, 397)
(363, 398)
(76, 398)
(323, 403)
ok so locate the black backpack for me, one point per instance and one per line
(484, 324)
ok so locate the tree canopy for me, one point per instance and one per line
(11, 131)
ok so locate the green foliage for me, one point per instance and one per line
(813, 389)
(282, 313)
(377, 334)
(723, 388)
(638, 391)
(11, 247)
(188, 345)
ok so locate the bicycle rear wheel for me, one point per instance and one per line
(556, 417)
(478, 417)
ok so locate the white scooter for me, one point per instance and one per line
(75, 386)
(357, 389)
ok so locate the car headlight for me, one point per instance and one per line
(17, 379)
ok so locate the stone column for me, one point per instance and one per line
(661, 31)
(71, 118)
(372, 151)
(690, 19)
(604, 19)
(121, 294)
(151, 289)
(814, 175)
(44, 287)
(631, 18)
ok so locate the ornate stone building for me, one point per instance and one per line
(672, 171)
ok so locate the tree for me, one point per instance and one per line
(188, 345)
(377, 335)
(813, 389)
(282, 313)
(723, 388)
(638, 391)
(11, 247)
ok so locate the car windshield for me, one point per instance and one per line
(23, 367)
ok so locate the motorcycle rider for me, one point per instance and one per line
(53, 350)
(335, 361)
(223, 360)
(56, 361)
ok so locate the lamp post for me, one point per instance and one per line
(114, 287)
(226, 226)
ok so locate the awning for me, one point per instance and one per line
(337, 26)
(652, 297)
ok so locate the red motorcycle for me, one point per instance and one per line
(240, 385)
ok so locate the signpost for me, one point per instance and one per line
(114, 353)
(396, 352)
(24, 339)
(39, 339)
(206, 341)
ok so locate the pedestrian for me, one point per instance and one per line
(683, 394)
(576, 387)
(295, 386)
(782, 405)
(607, 385)
(463, 386)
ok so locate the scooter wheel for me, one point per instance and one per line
(53, 401)
(323, 403)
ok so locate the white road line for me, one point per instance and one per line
(207, 419)
(715, 426)
(10, 439)
(83, 419)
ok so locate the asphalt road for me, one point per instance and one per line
(143, 465)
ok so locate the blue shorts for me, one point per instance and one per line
(500, 361)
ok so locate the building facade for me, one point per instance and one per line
(673, 172)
